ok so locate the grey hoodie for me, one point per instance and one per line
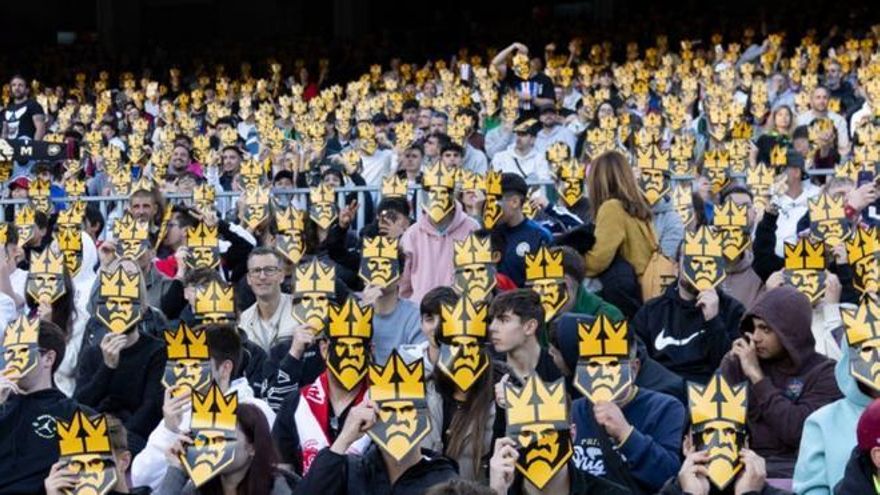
(667, 224)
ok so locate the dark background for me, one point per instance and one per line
(134, 34)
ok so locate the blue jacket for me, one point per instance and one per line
(830, 436)
(525, 238)
(651, 452)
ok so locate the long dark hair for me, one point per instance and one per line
(63, 309)
(468, 424)
(261, 473)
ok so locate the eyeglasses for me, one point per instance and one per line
(264, 270)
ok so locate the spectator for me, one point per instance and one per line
(270, 319)
(516, 318)
(862, 468)
(520, 235)
(523, 158)
(819, 110)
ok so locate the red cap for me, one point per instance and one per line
(868, 429)
(20, 181)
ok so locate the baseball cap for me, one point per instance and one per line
(513, 183)
(868, 428)
(19, 182)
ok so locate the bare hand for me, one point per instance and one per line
(60, 480)
(860, 198)
(111, 345)
(8, 386)
(776, 279)
(360, 419)
(303, 337)
(748, 359)
(107, 253)
(840, 255)
(370, 294)
(44, 311)
(754, 474)
(833, 288)
(502, 465)
(609, 416)
(177, 450)
(174, 407)
(707, 301)
(693, 475)
(346, 215)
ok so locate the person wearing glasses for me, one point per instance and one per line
(269, 320)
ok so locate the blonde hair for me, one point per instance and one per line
(611, 177)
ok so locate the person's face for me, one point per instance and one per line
(284, 183)
(332, 180)
(96, 473)
(451, 158)
(231, 161)
(524, 141)
(819, 100)
(723, 441)
(410, 115)
(548, 119)
(833, 75)
(605, 111)
(782, 119)
(142, 207)
(264, 275)
(347, 360)
(438, 124)
(554, 296)
(424, 120)
(179, 159)
(19, 192)
(432, 147)
(107, 132)
(174, 234)
(18, 88)
(412, 160)
(507, 332)
(767, 343)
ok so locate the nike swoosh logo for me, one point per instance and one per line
(662, 341)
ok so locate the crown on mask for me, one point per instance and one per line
(213, 410)
(826, 207)
(779, 156)
(290, 219)
(652, 158)
(438, 175)
(732, 215)
(380, 247)
(603, 338)
(544, 264)
(202, 236)
(394, 187)
(126, 228)
(472, 181)
(570, 169)
(557, 152)
(39, 188)
(72, 215)
(805, 255)
(75, 187)
(25, 215)
(21, 331)
(759, 176)
(256, 196)
(703, 242)
(186, 343)
(215, 299)
(323, 194)
(718, 400)
(863, 323)
(120, 284)
(350, 320)
(204, 193)
(473, 249)
(251, 168)
(83, 435)
(397, 380)
(864, 242)
(536, 402)
(493, 183)
(142, 184)
(465, 318)
(717, 159)
(314, 276)
(48, 262)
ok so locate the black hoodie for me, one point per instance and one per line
(28, 445)
(858, 477)
(678, 337)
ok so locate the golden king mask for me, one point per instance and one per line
(683, 202)
(350, 333)
(203, 197)
(760, 180)
(402, 419)
(119, 300)
(204, 247)
(718, 418)
(322, 206)
(45, 280)
(68, 236)
(653, 164)
(256, 209)
(492, 207)
(570, 183)
(38, 192)
(462, 339)
(380, 265)
(828, 220)
(213, 429)
(863, 254)
(603, 371)
(474, 269)
(25, 223)
(716, 164)
(290, 240)
(188, 364)
(313, 289)
(545, 276)
(805, 268)
(215, 303)
(20, 347)
(537, 420)
(703, 263)
(84, 445)
(438, 181)
(520, 65)
(863, 338)
(732, 221)
(132, 237)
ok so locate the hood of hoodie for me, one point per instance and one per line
(459, 218)
(663, 206)
(742, 264)
(789, 314)
(845, 381)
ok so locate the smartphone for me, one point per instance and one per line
(865, 177)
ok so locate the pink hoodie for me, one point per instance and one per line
(429, 254)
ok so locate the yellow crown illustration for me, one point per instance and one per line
(652, 158)
(256, 196)
(323, 194)
(826, 207)
(544, 264)
(83, 435)
(204, 193)
(864, 242)
(570, 169)
(472, 181)
(473, 249)
(251, 168)
(603, 338)
(120, 284)
(741, 130)
(185, 343)
(438, 175)
(397, 380)
(127, 228)
(213, 410)
(729, 214)
(558, 152)
(465, 318)
(4, 233)
(805, 255)
(25, 215)
(72, 215)
(75, 187)
(21, 331)
(380, 247)
(536, 402)
(778, 156)
(759, 177)
(719, 159)
(863, 323)
(394, 187)
(290, 220)
(350, 320)
(47, 262)
(142, 184)
(718, 400)
(39, 188)
(215, 298)
(703, 242)
(493, 183)
(202, 236)
(314, 276)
